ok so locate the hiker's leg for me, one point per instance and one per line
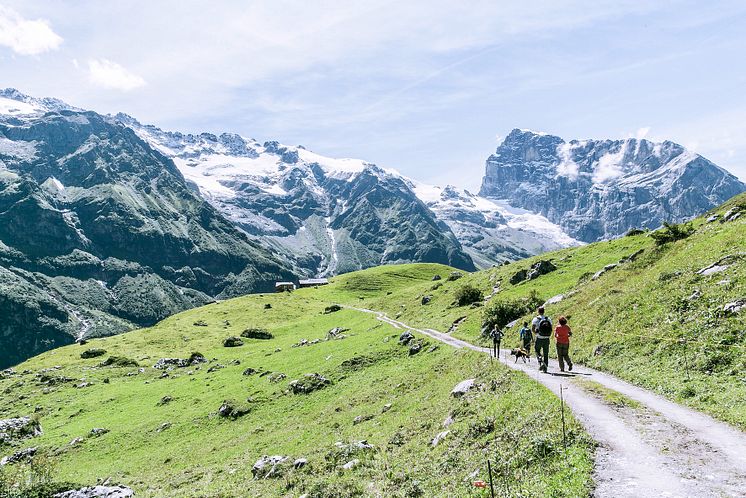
(546, 352)
(537, 348)
(561, 356)
(567, 356)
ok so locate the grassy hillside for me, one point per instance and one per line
(166, 438)
(657, 321)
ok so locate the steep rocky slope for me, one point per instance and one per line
(325, 215)
(599, 189)
(99, 232)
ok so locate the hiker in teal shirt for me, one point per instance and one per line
(526, 337)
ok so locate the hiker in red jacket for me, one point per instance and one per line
(562, 335)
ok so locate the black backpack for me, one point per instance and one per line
(545, 327)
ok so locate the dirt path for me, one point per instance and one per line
(659, 449)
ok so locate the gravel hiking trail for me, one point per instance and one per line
(655, 448)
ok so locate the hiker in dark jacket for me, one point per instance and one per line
(497, 336)
(541, 326)
(526, 337)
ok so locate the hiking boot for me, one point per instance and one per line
(569, 367)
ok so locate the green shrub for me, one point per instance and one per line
(118, 361)
(500, 312)
(671, 232)
(256, 333)
(634, 231)
(468, 294)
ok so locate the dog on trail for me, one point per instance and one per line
(520, 353)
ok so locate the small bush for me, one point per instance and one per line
(92, 353)
(118, 361)
(468, 294)
(500, 312)
(634, 231)
(672, 232)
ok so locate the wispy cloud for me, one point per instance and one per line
(24, 36)
(108, 74)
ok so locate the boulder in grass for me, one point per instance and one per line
(333, 308)
(98, 431)
(232, 342)
(455, 276)
(269, 466)
(92, 353)
(309, 383)
(462, 388)
(436, 278)
(256, 333)
(19, 456)
(98, 492)
(14, 429)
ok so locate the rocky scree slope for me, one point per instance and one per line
(599, 189)
(99, 232)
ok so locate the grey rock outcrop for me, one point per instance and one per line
(98, 492)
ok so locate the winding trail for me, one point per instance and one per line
(660, 449)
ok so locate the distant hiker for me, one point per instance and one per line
(541, 326)
(497, 336)
(526, 337)
(562, 334)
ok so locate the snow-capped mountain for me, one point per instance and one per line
(325, 215)
(492, 231)
(597, 189)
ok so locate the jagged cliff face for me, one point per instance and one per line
(324, 216)
(100, 233)
(597, 189)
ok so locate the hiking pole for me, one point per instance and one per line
(489, 470)
(564, 432)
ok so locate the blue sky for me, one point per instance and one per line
(426, 87)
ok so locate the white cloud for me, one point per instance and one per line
(108, 74)
(26, 37)
(567, 167)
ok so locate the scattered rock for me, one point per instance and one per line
(267, 306)
(455, 324)
(735, 306)
(455, 276)
(361, 418)
(405, 337)
(275, 377)
(229, 410)
(8, 372)
(351, 464)
(439, 437)
(76, 441)
(713, 269)
(712, 218)
(732, 214)
(518, 277)
(257, 333)
(164, 426)
(426, 300)
(415, 347)
(448, 421)
(235, 362)
(300, 463)
(386, 408)
(98, 431)
(540, 268)
(436, 278)
(554, 299)
(165, 400)
(250, 371)
(599, 350)
(332, 308)
(336, 333)
(694, 295)
(603, 270)
(83, 385)
(268, 466)
(200, 323)
(232, 342)
(215, 367)
(309, 383)
(19, 456)
(98, 492)
(631, 257)
(92, 353)
(462, 388)
(194, 359)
